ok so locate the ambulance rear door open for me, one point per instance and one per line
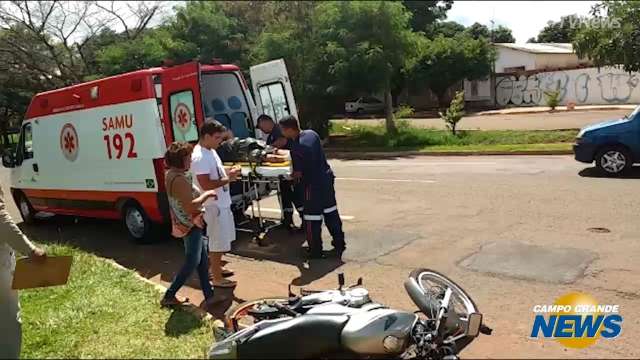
(272, 89)
(182, 102)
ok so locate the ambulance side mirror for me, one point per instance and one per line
(8, 160)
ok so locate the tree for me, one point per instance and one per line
(501, 34)
(447, 29)
(426, 13)
(62, 30)
(615, 41)
(364, 44)
(199, 29)
(562, 31)
(446, 61)
(454, 113)
(479, 31)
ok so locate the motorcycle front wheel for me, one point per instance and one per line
(251, 312)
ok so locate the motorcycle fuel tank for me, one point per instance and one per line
(378, 332)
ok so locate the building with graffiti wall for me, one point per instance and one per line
(524, 73)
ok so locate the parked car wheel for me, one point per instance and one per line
(27, 211)
(137, 223)
(614, 160)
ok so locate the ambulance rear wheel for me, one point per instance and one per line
(137, 223)
(27, 211)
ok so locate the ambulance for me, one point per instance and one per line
(96, 149)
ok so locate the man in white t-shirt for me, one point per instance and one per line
(210, 174)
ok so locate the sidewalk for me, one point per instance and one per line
(545, 109)
(538, 118)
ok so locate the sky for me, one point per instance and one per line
(524, 18)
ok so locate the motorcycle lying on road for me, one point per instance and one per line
(346, 323)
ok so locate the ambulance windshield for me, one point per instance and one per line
(224, 100)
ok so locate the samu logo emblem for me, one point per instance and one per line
(69, 142)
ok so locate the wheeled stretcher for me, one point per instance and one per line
(259, 182)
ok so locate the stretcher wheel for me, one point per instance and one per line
(259, 239)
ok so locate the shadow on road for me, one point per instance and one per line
(593, 172)
(285, 247)
(108, 239)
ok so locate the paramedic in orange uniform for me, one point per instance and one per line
(11, 239)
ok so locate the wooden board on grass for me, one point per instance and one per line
(53, 271)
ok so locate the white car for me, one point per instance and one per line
(366, 104)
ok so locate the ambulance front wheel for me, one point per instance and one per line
(137, 223)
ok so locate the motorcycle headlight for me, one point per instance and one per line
(392, 344)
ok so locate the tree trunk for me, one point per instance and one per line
(3, 130)
(388, 105)
(442, 104)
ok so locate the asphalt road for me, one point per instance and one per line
(513, 231)
(538, 121)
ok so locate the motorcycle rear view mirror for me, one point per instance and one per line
(474, 322)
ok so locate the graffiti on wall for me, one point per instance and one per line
(583, 86)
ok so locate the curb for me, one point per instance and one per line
(528, 112)
(381, 154)
(190, 308)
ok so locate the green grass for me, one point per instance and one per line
(104, 312)
(356, 137)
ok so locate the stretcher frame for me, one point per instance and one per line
(250, 192)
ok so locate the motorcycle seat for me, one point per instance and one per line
(303, 337)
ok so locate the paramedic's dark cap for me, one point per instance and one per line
(289, 122)
(210, 128)
(265, 117)
(262, 118)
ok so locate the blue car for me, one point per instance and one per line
(613, 145)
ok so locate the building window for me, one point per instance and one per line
(514, 69)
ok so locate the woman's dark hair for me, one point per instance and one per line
(176, 153)
(289, 122)
(210, 128)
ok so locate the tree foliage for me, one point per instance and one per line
(447, 29)
(447, 61)
(364, 44)
(333, 50)
(613, 37)
(562, 31)
(500, 34)
(426, 13)
(454, 113)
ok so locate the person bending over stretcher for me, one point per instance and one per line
(310, 166)
(291, 192)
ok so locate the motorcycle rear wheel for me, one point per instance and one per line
(237, 317)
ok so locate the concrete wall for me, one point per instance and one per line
(588, 86)
(507, 58)
(550, 61)
(477, 90)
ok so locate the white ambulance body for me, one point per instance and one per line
(96, 149)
